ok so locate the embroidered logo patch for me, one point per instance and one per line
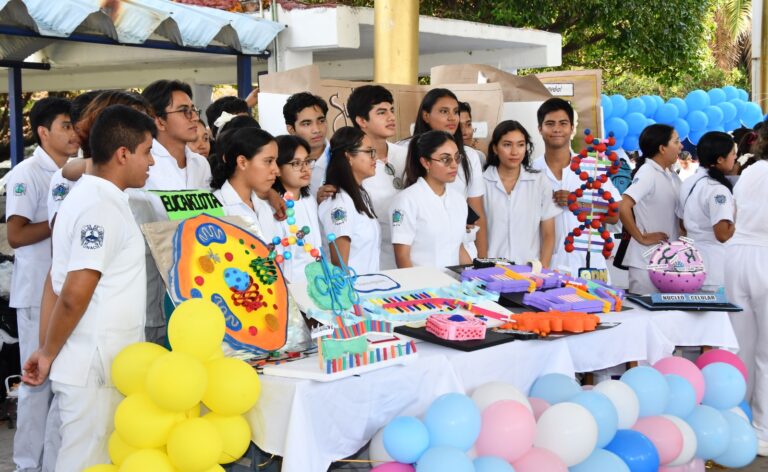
(636, 180)
(59, 192)
(339, 216)
(397, 217)
(92, 236)
(20, 189)
(720, 199)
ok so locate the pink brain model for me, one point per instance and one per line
(676, 267)
(456, 327)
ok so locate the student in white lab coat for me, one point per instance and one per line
(427, 221)
(648, 209)
(707, 206)
(746, 270)
(518, 200)
(349, 213)
(295, 175)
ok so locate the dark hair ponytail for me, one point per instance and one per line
(651, 139)
(231, 143)
(422, 145)
(712, 146)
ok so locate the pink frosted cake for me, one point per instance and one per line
(456, 327)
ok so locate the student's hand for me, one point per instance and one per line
(36, 369)
(560, 197)
(278, 204)
(325, 192)
(252, 98)
(650, 239)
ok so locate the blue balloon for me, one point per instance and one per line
(729, 111)
(444, 459)
(682, 128)
(679, 103)
(744, 405)
(716, 96)
(666, 114)
(697, 120)
(725, 387)
(635, 105)
(607, 104)
(682, 396)
(631, 143)
(405, 439)
(651, 388)
(695, 136)
(618, 126)
(604, 412)
(636, 122)
(492, 464)
(731, 92)
(619, 105)
(740, 106)
(743, 95)
(720, 128)
(697, 100)
(752, 115)
(711, 429)
(742, 447)
(732, 125)
(635, 450)
(714, 116)
(555, 388)
(659, 100)
(600, 461)
(650, 105)
(649, 122)
(453, 420)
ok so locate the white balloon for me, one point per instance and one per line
(623, 398)
(569, 431)
(689, 442)
(492, 392)
(376, 451)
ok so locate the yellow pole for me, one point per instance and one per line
(396, 41)
(760, 95)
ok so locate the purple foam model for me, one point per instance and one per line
(562, 299)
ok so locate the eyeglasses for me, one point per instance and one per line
(308, 163)
(371, 152)
(189, 112)
(397, 181)
(447, 160)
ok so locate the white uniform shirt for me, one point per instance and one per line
(305, 212)
(261, 214)
(514, 218)
(656, 193)
(381, 189)
(433, 225)
(752, 227)
(166, 174)
(704, 202)
(26, 196)
(96, 230)
(339, 216)
(57, 192)
(475, 187)
(318, 173)
(567, 221)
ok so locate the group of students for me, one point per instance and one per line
(430, 200)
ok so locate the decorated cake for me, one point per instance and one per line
(456, 327)
(677, 267)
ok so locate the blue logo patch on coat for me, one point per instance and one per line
(397, 217)
(92, 236)
(20, 189)
(339, 216)
(635, 180)
(720, 199)
(59, 192)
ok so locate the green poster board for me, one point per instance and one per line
(183, 204)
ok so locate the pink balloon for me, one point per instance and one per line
(685, 369)
(393, 467)
(539, 460)
(696, 465)
(538, 405)
(663, 434)
(720, 355)
(507, 431)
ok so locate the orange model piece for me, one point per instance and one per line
(543, 323)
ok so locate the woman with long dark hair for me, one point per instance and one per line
(522, 225)
(349, 214)
(647, 210)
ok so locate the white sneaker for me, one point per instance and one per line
(762, 448)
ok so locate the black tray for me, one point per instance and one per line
(491, 339)
(645, 302)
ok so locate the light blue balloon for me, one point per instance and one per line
(650, 105)
(697, 120)
(635, 450)
(752, 115)
(453, 420)
(619, 105)
(682, 396)
(666, 114)
(682, 128)
(631, 143)
(604, 412)
(601, 461)
(743, 95)
(712, 431)
(714, 116)
(618, 126)
(651, 389)
(679, 103)
(744, 405)
(697, 100)
(444, 459)
(720, 128)
(405, 439)
(659, 100)
(635, 105)
(729, 111)
(607, 104)
(636, 122)
(695, 136)
(742, 447)
(731, 92)
(732, 125)
(716, 96)
(555, 388)
(724, 386)
(492, 464)
(649, 122)
(740, 106)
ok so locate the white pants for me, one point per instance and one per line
(36, 441)
(746, 270)
(640, 283)
(87, 420)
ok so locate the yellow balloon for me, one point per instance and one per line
(129, 369)
(235, 432)
(215, 468)
(194, 445)
(233, 386)
(141, 423)
(145, 460)
(102, 468)
(119, 449)
(216, 355)
(176, 381)
(193, 412)
(196, 328)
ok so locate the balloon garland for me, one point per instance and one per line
(297, 236)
